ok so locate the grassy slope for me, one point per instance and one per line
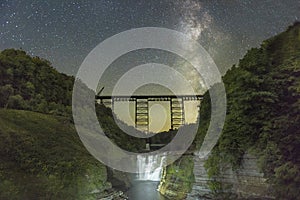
(43, 158)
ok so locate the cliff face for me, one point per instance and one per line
(245, 182)
(200, 187)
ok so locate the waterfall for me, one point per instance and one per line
(150, 167)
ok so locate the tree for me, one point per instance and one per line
(5, 92)
(16, 102)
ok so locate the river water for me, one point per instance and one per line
(144, 190)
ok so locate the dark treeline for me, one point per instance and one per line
(41, 155)
(31, 83)
(263, 113)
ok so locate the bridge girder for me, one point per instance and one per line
(142, 107)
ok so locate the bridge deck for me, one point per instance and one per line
(151, 97)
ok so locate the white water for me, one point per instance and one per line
(150, 167)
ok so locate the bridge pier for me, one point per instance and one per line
(177, 113)
(142, 107)
(142, 114)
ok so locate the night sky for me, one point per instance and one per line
(64, 32)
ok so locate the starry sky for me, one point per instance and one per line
(65, 31)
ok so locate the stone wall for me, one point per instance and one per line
(246, 183)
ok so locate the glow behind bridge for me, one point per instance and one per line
(175, 106)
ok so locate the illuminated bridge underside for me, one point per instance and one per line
(142, 107)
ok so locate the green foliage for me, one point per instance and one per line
(178, 178)
(16, 102)
(35, 81)
(204, 115)
(163, 137)
(263, 115)
(112, 131)
(5, 92)
(42, 157)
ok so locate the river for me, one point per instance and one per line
(144, 190)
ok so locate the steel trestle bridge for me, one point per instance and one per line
(142, 107)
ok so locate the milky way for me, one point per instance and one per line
(65, 31)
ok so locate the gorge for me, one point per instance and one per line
(257, 156)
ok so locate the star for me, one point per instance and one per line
(227, 29)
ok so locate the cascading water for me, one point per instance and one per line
(150, 167)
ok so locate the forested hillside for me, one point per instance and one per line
(263, 113)
(31, 83)
(42, 156)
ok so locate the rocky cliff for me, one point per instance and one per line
(200, 187)
(246, 182)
